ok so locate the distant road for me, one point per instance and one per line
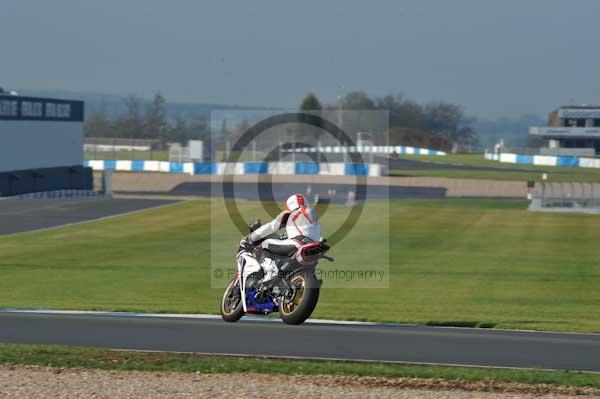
(19, 215)
(380, 343)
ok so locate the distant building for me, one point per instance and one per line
(571, 130)
(41, 145)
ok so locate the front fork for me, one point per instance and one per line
(242, 281)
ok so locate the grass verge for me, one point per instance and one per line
(62, 356)
(450, 262)
(502, 171)
(558, 177)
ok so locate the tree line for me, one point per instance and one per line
(146, 120)
(387, 120)
(439, 125)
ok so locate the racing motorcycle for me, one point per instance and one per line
(293, 293)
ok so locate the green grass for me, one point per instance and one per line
(477, 159)
(128, 155)
(458, 262)
(506, 171)
(462, 203)
(60, 356)
(498, 175)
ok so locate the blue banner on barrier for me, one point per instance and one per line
(567, 161)
(357, 169)
(86, 163)
(525, 159)
(307, 168)
(204, 168)
(137, 166)
(255, 168)
(110, 164)
(175, 167)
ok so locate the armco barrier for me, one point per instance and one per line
(241, 168)
(545, 160)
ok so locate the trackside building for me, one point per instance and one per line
(41, 145)
(571, 130)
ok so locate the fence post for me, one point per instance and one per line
(107, 181)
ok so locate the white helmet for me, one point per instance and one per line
(295, 201)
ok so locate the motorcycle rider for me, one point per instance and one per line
(301, 225)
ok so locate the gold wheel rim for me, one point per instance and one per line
(225, 298)
(290, 306)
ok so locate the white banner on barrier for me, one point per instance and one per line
(151, 166)
(96, 165)
(282, 168)
(545, 160)
(232, 168)
(164, 166)
(332, 168)
(374, 170)
(188, 167)
(589, 162)
(123, 165)
(508, 158)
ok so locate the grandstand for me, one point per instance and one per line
(573, 130)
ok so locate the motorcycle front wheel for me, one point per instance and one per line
(298, 307)
(231, 305)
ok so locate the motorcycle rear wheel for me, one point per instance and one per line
(231, 305)
(299, 307)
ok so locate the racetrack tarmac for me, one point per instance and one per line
(20, 215)
(379, 343)
(280, 191)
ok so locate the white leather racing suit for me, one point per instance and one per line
(298, 223)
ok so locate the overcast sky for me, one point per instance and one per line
(495, 57)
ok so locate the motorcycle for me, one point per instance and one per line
(294, 293)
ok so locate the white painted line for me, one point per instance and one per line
(176, 316)
(96, 219)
